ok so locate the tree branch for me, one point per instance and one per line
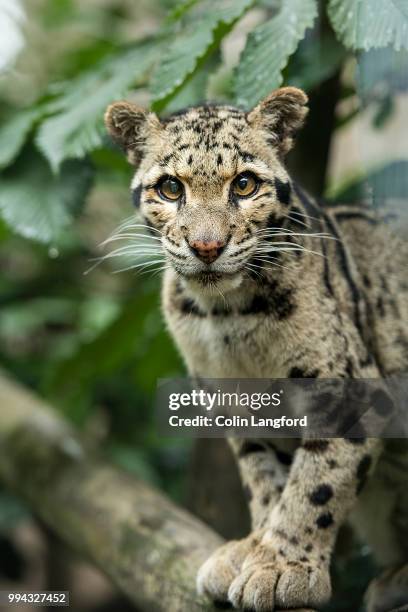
(150, 548)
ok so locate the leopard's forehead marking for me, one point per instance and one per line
(206, 141)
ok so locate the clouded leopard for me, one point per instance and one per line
(254, 289)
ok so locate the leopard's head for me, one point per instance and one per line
(211, 179)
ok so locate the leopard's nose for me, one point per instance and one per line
(207, 250)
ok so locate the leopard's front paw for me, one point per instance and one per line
(217, 573)
(269, 581)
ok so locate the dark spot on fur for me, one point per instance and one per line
(294, 540)
(219, 159)
(324, 521)
(266, 499)
(315, 446)
(278, 301)
(221, 311)
(166, 159)
(309, 547)
(136, 195)
(362, 472)
(246, 156)
(189, 307)
(349, 369)
(308, 530)
(273, 221)
(227, 340)
(299, 373)
(282, 191)
(304, 559)
(321, 495)
(332, 463)
(259, 304)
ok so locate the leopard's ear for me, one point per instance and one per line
(129, 126)
(281, 114)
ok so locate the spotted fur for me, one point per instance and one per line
(280, 300)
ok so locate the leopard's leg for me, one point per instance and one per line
(264, 471)
(381, 520)
(290, 566)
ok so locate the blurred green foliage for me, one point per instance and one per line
(95, 344)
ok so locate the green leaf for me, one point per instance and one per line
(77, 126)
(191, 94)
(194, 91)
(179, 10)
(201, 35)
(38, 205)
(13, 133)
(367, 24)
(316, 59)
(268, 49)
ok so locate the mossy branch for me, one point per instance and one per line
(149, 547)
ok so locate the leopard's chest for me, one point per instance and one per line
(228, 346)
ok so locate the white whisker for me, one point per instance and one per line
(128, 236)
(296, 220)
(140, 265)
(278, 232)
(295, 212)
(272, 261)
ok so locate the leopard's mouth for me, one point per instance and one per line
(213, 282)
(210, 277)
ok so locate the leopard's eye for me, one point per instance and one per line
(245, 184)
(170, 188)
